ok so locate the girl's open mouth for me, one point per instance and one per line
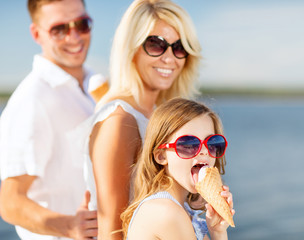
(195, 169)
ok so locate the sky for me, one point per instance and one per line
(245, 43)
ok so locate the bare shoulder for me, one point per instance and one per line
(121, 115)
(166, 208)
(116, 121)
(120, 133)
(162, 219)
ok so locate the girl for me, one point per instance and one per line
(166, 174)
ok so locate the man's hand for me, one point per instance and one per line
(84, 223)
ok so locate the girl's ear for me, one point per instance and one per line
(160, 157)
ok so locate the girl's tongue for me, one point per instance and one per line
(195, 171)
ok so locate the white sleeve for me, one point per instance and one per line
(25, 140)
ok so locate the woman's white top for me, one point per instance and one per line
(103, 113)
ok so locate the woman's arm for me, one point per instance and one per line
(114, 145)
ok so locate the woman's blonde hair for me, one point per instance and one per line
(166, 120)
(135, 26)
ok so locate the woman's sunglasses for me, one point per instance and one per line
(155, 46)
(189, 146)
(82, 25)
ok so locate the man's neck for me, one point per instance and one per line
(78, 73)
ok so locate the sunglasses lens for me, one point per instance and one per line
(178, 50)
(59, 31)
(216, 145)
(83, 25)
(155, 46)
(187, 146)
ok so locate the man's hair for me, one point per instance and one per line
(34, 6)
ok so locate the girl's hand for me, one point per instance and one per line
(217, 226)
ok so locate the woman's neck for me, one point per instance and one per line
(146, 105)
(147, 101)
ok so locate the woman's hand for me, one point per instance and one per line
(217, 226)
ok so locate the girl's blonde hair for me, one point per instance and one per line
(165, 121)
(135, 26)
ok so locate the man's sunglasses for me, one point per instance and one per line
(155, 46)
(82, 25)
(189, 146)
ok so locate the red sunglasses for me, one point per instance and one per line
(82, 25)
(189, 146)
(156, 46)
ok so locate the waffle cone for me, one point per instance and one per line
(210, 189)
(98, 92)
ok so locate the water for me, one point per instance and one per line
(264, 167)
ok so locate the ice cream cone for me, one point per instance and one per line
(210, 186)
(100, 91)
(98, 86)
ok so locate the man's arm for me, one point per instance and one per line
(18, 209)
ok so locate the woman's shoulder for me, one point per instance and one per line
(116, 119)
(116, 108)
(120, 111)
(125, 103)
(110, 99)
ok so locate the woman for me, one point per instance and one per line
(155, 57)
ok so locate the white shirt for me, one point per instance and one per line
(34, 140)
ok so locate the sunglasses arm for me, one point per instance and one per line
(167, 145)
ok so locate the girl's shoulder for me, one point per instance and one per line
(164, 206)
(165, 219)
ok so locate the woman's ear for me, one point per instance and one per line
(160, 157)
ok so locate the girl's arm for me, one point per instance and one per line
(113, 147)
(217, 226)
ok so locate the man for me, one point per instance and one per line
(42, 177)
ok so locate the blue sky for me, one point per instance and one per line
(246, 43)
